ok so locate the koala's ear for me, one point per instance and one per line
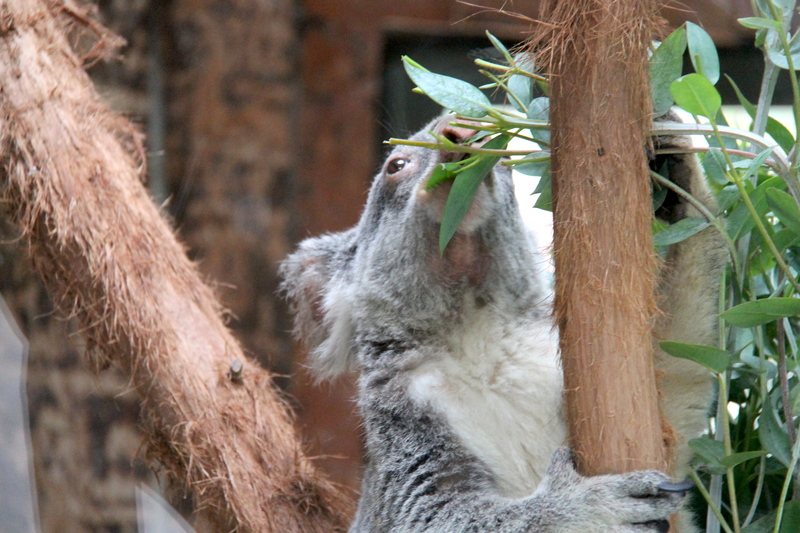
(316, 280)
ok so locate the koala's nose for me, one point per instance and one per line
(457, 133)
(454, 132)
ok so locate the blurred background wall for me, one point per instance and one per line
(264, 121)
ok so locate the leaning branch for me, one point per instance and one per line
(71, 174)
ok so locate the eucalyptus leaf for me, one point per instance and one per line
(666, 65)
(740, 220)
(773, 437)
(702, 52)
(737, 458)
(785, 238)
(697, 95)
(790, 523)
(545, 200)
(680, 231)
(785, 7)
(758, 23)
(500, 47)
(521, 87)
(712, 358)
(794, 397)
(727, 197)
(777, 54)
(758, 312)
(440, 173)
(709, 453)
(465, 185)
(539, 109)
(535, 168)
(785, 208)
(714, 164)
(756, 163)
(775, 129)
(450, 93)
(544, 183)
(659, 195)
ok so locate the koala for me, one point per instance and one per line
(460, 385)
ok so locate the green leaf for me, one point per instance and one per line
(785, 208)
(737, 458)
(710, 453)
(535, 168)
(758, 312)
(727, 197)
(680, 231)
(739, 221)
(697, 95)
(450, 93)
(776, 130)
(785, 238)
(545, 190)
(666, 66)
(758, 23)
(442, 172)
(784, 7)
(539, 109)
(756, 163)
(522, 88)
(702, 52)
(777, 54)
(780, 134)
(714, 164)
(712, 358)
(659, 195)
(464, 187)
(500, 47)
(772, 436)
(790, 523)
(544, 183)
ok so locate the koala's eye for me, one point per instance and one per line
(396, 165)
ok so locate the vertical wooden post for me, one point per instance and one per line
(605, 269)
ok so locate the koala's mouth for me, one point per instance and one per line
(457, 157)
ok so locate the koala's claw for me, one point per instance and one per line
(657, 526)
(684, 486)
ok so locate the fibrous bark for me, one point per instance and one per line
(72, 182)
(596, 54)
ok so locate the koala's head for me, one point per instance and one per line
(384, 280)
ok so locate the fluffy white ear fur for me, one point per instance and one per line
(336, 354)
(320, 302)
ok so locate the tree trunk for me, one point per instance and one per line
(72, 181)
(605, 268)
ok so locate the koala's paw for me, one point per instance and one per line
(623, 503)
(683, 169)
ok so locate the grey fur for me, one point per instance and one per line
(380, 298)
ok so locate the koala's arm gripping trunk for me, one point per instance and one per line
(605, 270)
(71, 171)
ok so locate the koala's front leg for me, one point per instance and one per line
(688, 301)
(620, 503)
(565, 502)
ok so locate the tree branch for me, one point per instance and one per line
(72, 181)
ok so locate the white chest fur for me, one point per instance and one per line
(499, 385)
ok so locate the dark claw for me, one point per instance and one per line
(683, 486)
(659, 526)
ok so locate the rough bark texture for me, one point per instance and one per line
(71, 173)
(84, 432)
(605, 271)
